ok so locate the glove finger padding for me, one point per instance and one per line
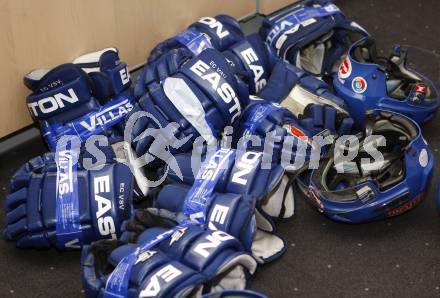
(219, 33)
(308, 99)
(167, 57)
(54, 201)
(158, 70)
(110, 77)
(317, 118)
(189, 262)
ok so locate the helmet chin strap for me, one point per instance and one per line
(369, 126)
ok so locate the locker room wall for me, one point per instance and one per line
(268, 6)
(45, 33)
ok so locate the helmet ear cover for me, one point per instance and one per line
(398, 133)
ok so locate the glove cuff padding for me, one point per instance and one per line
(64, 88)
(268, 247)
(253, 181)
(280, 204)
(222, 32)
(214, 76)
(157, 71)
(216, 29)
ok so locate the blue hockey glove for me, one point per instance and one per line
(87, 97)
(180, 262)
(247, 175)
(223, 194)
(312, 35)
(309, 99)
(228, 212)
(275, 80)
(198, 101)
(167, 57)
(63, 200)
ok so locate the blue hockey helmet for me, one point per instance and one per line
(366, 81)
(365, 191)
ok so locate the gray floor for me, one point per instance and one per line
(393, 258)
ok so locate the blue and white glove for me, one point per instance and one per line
(245, 200)
(232, 193)
(275, 80)
(63, 200)
(200, 100)
(87, 97)
(167, 57)
(228, 212)
(312, 35)
(309, 99)
(186, 261)
(246, 174)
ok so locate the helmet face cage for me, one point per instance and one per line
(362, 193)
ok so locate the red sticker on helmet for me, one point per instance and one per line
(420, 88)
(407, 206)
(345, 69)
(359, 85)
